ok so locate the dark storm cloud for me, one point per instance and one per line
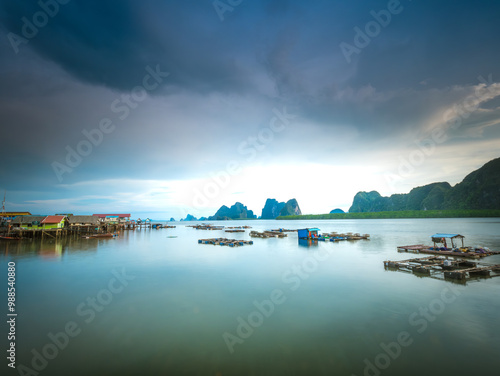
(108, 42)
(439, 42)
(227, 76)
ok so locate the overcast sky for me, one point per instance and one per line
(163, 108)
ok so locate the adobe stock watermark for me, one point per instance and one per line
(223, 6)
(419, 320)
(371, 30)
(248, 148)
(453, 119)
(87, 311)
(122, 107)
(30, 27)
(292, 277)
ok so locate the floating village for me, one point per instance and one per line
(450, 259)
(22, 225)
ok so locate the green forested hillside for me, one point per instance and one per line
(402, 214)
(479, 190)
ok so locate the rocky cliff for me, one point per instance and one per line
(272, 209)
(237, 211)
(291, 208)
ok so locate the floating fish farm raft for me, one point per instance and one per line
(313, 234)
(469, 252)
(433, 266)
(160, 226)
(267, 234)
(224, 241)
(206, 227)
(234, 230)
(441, 247)
(334, 236)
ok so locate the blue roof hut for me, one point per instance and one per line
(308, 233)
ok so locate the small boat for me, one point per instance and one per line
(9, 238)
(99, 236)
(104, 235)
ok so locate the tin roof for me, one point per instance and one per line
(53, 219)
(83, 219)
(111, 215)
(12, 214)
(447, 236)
(28, 218)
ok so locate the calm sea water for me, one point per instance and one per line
(147, 304)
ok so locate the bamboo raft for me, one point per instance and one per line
(267, 234)
(465, 252)
(458, 270)
(224, 241)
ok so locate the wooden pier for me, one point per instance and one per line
(224, 241)
(56, 233)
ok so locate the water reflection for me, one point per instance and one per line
(51, 250)
(47, 248)
(308, 243)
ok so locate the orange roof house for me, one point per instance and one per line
(54, 221)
